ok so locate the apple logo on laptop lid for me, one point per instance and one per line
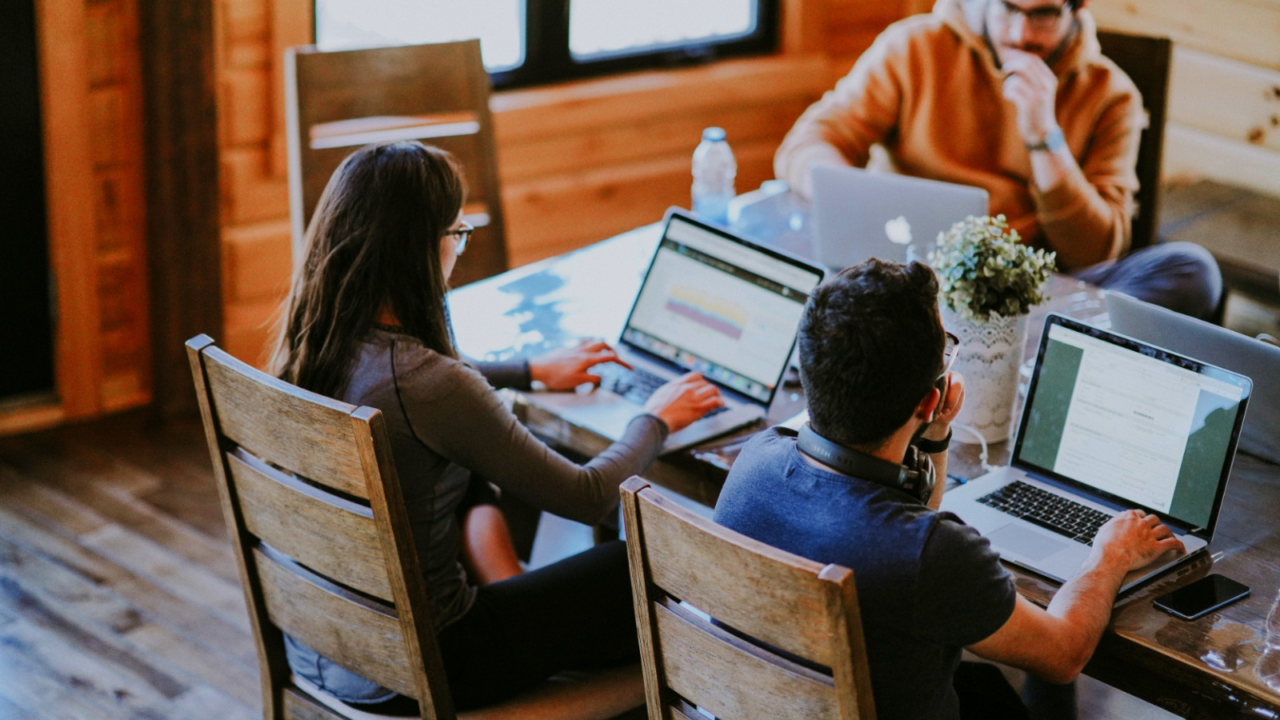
(898, 230)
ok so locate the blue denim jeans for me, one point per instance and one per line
(1180, 276)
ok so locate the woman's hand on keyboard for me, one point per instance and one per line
(683, 400)
(566, 368)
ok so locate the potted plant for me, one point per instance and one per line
(988, 282)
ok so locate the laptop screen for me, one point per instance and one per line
(722, 307)
(1132, 421)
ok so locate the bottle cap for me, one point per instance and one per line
(713, 134)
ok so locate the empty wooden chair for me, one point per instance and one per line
(786, 606)
(439, 94)
(313, 506)
(1147, 61)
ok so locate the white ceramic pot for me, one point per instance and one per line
(989, 356)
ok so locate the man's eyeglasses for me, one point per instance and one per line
(463, 233)
(949, 353)
(1044, 17)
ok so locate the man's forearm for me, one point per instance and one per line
(1084, 603)
(1050, 168)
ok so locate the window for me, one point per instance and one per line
(527, 42)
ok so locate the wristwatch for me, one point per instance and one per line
(1053, 141)
(933, 447)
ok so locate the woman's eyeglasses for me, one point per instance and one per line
(463, 233)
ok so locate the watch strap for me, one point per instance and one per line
(1052, 142)
(932, 447)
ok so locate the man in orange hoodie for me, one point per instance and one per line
(1013, 96)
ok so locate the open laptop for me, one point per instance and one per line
(1220, 346)
(711, 302)
(858, 215)
(1110, 424)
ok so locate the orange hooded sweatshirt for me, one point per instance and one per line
(929, 90)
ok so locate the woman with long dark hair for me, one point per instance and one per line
(366, 323)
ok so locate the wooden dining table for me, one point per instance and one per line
(1226, 664)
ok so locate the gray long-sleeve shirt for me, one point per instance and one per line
(446, 422)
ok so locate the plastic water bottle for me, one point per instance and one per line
(713, 172)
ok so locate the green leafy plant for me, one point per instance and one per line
(984, 270)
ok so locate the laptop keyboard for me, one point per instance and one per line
(635, 385)
(1048, 510)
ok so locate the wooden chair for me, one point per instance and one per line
(314, 509)
(1146, 60)
(339, 101)
(786, 603)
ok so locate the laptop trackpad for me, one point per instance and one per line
(1024, 542)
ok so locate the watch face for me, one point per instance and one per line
(1055, 141)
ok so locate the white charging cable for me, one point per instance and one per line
(981, 440)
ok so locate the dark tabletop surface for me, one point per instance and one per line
(1222, 665)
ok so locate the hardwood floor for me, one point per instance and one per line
(119, 595)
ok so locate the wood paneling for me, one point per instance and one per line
(1246, 30)
(94, 152)
(1190, 154)
(1225, 97)
(67, 113)
(1224, 102)
(182, 190)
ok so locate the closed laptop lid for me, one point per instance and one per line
(858, 215)
(1219, 346)
(721, 305)
(1132, 423)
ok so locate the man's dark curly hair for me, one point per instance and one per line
(870, 349)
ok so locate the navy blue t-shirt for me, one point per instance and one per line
(928, 584)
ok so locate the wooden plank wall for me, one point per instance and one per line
(579, 162)
(1224, 102)
(115, 102)
(91, 102)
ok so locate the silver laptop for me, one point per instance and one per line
(711, 302)
(858, 215)
(1239, 353)
(1110, 424)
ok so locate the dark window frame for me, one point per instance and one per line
(547, 58)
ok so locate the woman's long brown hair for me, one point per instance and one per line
(373, 242)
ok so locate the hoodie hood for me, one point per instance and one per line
(962, 16)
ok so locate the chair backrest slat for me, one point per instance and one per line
(306, 433)
(333, 536)
(698, 659)
(315, 512)
(745, 584)
(736, 627)
(361, 635)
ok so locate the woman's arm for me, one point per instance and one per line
(512, 374)
(456, 413)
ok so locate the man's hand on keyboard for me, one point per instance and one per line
(684, 400)
(1136, 538)
(566, 368)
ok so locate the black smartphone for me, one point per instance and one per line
(1202, 597)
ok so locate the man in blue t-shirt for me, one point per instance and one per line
(872, 364)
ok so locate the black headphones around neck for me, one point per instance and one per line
(915, 476)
